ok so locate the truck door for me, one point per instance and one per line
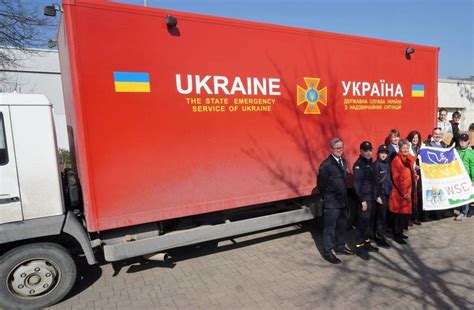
(10, 203)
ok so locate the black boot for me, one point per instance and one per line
(370, 248)
(330, 257)
(399, 239)
(382, 242)
(362, 252)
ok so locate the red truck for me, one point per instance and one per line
(178, 123)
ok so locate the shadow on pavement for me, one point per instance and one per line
(140, 264)
(87, 275)
(408, 272)
(402, 273)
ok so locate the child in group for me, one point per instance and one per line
(384, 188)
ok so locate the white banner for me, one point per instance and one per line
(445, 182)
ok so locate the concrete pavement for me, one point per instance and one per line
(283, 269)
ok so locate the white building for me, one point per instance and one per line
(458, 95)
(38, 73)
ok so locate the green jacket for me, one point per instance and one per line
(467, 157)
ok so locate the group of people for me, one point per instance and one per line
(388, 189)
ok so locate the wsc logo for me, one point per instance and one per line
(311, 95)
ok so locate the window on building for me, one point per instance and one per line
(3, 143)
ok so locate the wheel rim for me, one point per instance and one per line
(33, 278)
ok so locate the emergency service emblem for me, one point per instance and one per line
(311, 95)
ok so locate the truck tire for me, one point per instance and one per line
(35, 276)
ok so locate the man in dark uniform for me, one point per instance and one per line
(332, 185)
(365, 186)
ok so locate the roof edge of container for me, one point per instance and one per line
(239, 22)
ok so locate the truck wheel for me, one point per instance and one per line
(35, 276)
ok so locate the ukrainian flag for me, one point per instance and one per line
(418, 90)
(439, 164)
(132, 82)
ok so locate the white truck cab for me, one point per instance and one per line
(36, 269)
(30, 186)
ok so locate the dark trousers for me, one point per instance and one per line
(416, 214)
(400, 222)
(334, 231)
(363, 226)
(380, 216)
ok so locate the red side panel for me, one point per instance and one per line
(149, 156)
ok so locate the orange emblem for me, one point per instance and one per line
(312, 96)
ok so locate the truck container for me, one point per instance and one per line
(178, 123)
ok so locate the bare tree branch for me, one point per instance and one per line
(22, 26)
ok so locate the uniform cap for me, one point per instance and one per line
(464, 137)
(383, 149)
(366, 146)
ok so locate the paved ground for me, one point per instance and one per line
(283, 269)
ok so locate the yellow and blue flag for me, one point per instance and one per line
(439, 164)
(132, 82)
(445, 182)
(418, 90)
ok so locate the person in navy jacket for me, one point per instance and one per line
(384, 189)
